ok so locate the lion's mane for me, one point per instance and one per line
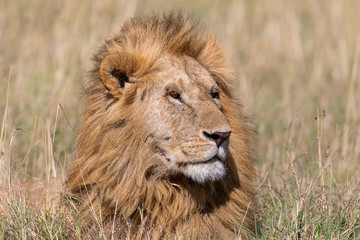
(103, 177)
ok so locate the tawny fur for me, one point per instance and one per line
(116, 175)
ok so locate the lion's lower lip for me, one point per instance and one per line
(211, 160)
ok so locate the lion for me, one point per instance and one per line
(164, 149)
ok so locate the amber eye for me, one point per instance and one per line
(174, 94)
(215, 94)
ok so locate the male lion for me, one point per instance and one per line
(164, 149)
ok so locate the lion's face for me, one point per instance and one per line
(179, 106)
(185, 118)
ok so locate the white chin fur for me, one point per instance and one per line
(203, 172)
(222, 153)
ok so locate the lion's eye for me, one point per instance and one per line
(215, 94)
(174, 94)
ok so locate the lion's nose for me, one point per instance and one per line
(218, 137)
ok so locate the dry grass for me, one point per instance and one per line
(297, 70)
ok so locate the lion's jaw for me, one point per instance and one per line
(209, 170)
(191, 146)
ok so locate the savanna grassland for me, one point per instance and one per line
(296, 68)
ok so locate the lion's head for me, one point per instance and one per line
(179, 113)
(162, 134)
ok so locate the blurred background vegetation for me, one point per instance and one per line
(296, 66)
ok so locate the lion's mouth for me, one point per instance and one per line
(218, 154)
(213, 157)
(207, 161)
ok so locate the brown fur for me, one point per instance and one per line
(120, 172)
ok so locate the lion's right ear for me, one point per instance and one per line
(116, 70)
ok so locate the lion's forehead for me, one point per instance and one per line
(186, 72)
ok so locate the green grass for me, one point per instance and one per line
(292, 61)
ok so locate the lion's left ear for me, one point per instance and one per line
(116, 70)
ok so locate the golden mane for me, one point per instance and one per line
(109, 177)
